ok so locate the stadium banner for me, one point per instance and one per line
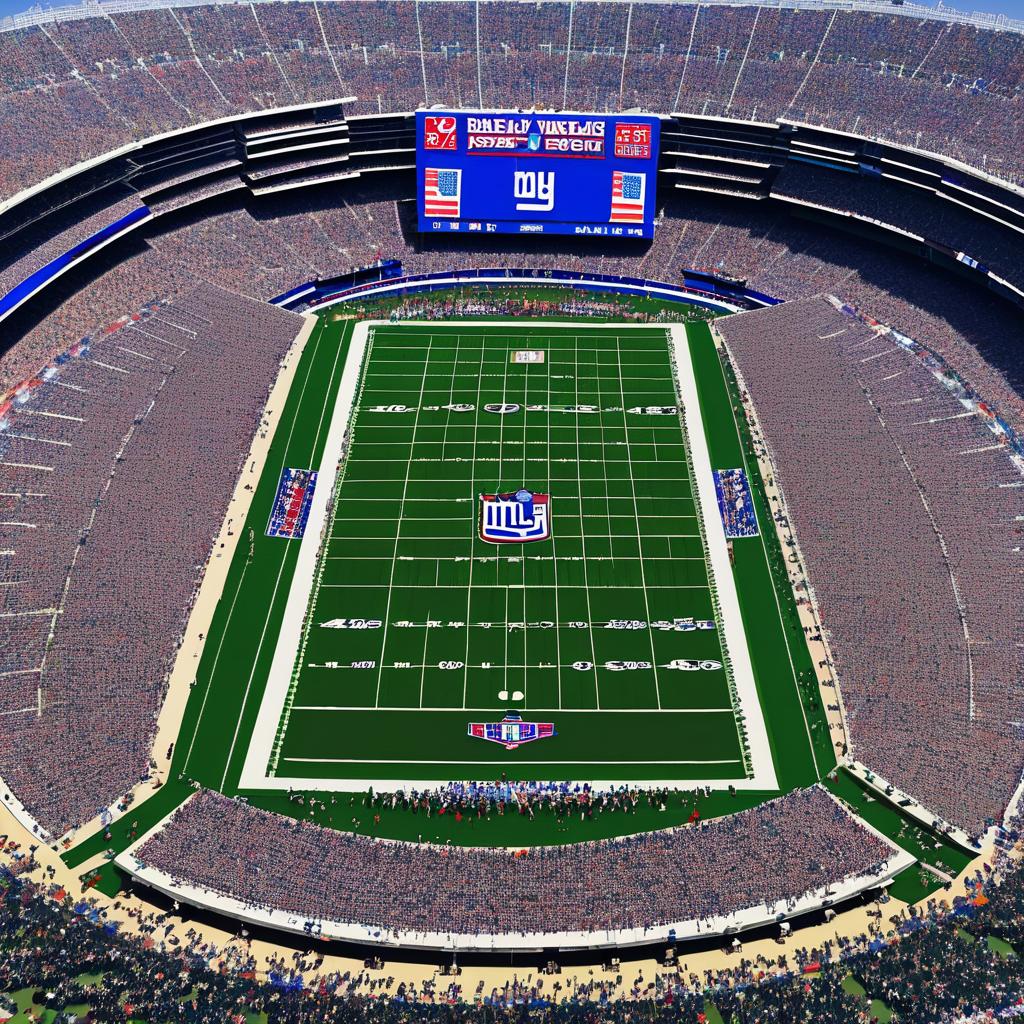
(528, 173)
(294, 498)
(57, 266)
(609, 284)
(735, 503)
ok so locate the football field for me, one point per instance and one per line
(612, 619)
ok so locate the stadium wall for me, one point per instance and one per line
(497, 277)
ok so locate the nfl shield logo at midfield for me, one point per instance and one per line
(515, 518)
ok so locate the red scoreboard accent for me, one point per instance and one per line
(632, 141)
(439, 133)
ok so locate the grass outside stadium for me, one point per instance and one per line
(578, 630)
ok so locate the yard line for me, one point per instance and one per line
(639, 539)
(473, 497)
(462, 519)
(442, 390)
(492, 421)
(565, 536)
(490, 764)
(451, 391)
(398, 531)
(582, 538)
(494, 337)
(500, 586)
(533, 711)
(488, 665)
(507, 558)
(390, 501)
(554, 558)
(462, 480)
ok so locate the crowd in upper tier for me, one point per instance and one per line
(908, 511)
(72, 89)
(118, 461)
(772, 854)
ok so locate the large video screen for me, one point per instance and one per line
(542, 174)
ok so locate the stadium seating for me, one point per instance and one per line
(123, 453)
(771, 854)
(164, 361)
(907, 512)
(90, 85)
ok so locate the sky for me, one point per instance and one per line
(1011, 8)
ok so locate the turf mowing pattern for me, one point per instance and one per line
(459, 622)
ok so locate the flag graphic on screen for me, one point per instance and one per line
(442, 191)
(628, 190)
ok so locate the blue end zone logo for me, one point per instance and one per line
(515, 518)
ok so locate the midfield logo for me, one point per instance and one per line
(515, 518)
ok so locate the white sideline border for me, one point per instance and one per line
(254, 770)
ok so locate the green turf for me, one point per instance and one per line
(1000, 946)
(231, 673)
(877, 1010)
(404, 552)
(914, 883)
(782, 663)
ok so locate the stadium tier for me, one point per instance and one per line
(125, 455)
(772, 855)
(90, 85)
(694, 522)
(902, 533)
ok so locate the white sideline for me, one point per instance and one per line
(254, 771)
(734, 639)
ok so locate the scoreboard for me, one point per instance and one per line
(537, 174)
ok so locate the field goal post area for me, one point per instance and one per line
(644, 718)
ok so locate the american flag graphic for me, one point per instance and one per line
(628, 189)
(442, 191)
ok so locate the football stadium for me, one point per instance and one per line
(512, 510)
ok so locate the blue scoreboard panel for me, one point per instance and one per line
(537, 174)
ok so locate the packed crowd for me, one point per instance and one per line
(935, 966)
(577, 303)
(122, 452)
(772, 854)
(925, 214)
(561, 800)
(88, 85)
(325, 235)
(56, 239)
(907, 535)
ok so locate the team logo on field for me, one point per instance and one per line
(515, 518)
(502, 408)
(511, 731)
